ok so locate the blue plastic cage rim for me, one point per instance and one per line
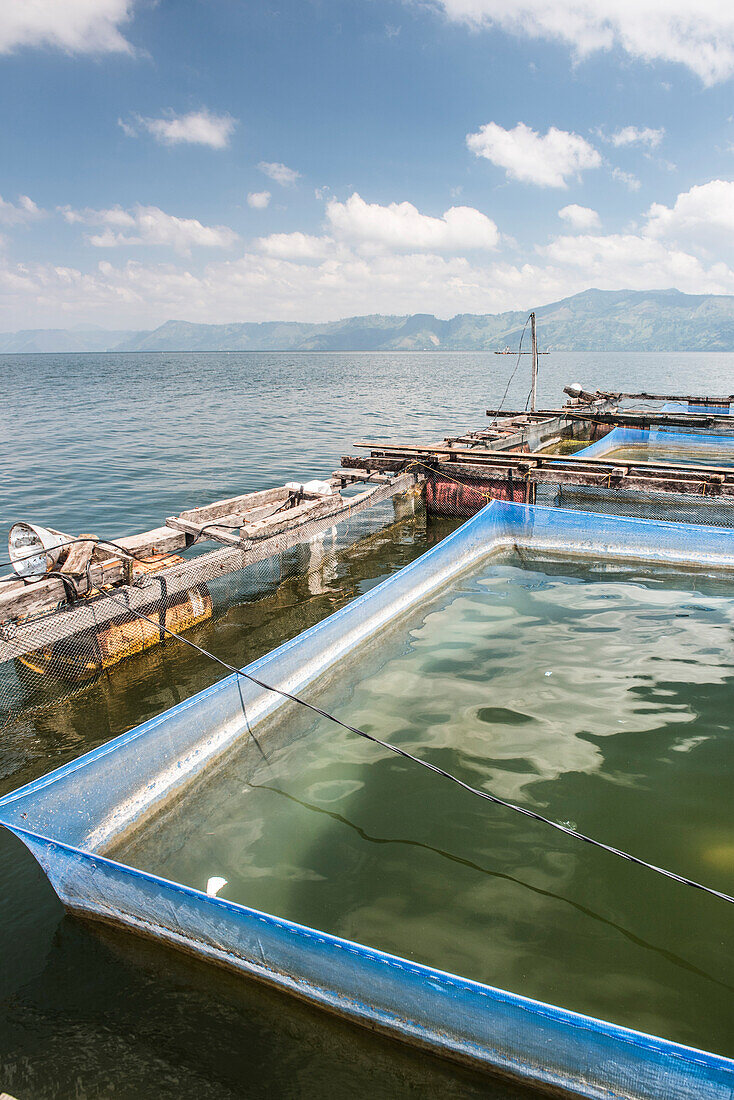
(68, 817)
(723, 409)
(658, 437)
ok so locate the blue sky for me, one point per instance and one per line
(215, 160)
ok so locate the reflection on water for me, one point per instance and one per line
(129, 1019)
(603, 700)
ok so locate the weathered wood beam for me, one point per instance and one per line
(691, 399)
(646, 419)
(350, 476)
(78, 557)
(703, 481)
(292, 518)
(410, 451)
(161, 540)
(224, 528)
(18, 599)
(232, 505)
(539, 414)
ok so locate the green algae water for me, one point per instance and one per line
(598, 699)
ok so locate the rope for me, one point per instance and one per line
(72, 542)
(517, 364)
(464, 484)
(565, 829)
(294, 497)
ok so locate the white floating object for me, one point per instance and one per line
(214, 885)
(320, 488)
(34, 550)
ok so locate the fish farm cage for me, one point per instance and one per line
(645, 488)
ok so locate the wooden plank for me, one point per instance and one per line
(302, 513)
(161, 540)
(691, 399)
(79, 556)
(359, 475)
(703, 482)
(474, 454)
(593, 479)
(18, 598)
(646, 419)
(539, 414)
(217, 530)
(179, 577)
(233, 504)
(212, 533)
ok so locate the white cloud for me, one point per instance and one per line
(75, 26)
(400, 227)
(279, 173)
(258, 200)
(703, 217)
(296, 246)
(580, 217)
(196, 128)
(526, 155)
(368, 261)
(630, 182)
(24, 211)
(149, 225)
(629, 261)
(633, 135)
(686, 245)
(699, 36)
(257, 286)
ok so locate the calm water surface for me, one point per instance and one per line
(603, 700)
(115, 443)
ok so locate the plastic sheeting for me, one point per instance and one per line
(69, 818)
(702, 446)
(701, 410)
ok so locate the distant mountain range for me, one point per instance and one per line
(33, 340)
(595, 320)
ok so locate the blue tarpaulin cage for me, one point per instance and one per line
(703, 449)
(70, 818)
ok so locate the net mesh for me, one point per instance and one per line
(233, 601)
(93, 660)
(667, 507)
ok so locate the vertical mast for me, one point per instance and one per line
(534, 338)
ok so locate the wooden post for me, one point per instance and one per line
(534, 339)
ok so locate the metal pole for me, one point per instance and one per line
(534, 339)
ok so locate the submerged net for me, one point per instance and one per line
(667, 507)
(238, 602)
(124, 665)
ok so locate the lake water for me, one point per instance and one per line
(115, 443)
